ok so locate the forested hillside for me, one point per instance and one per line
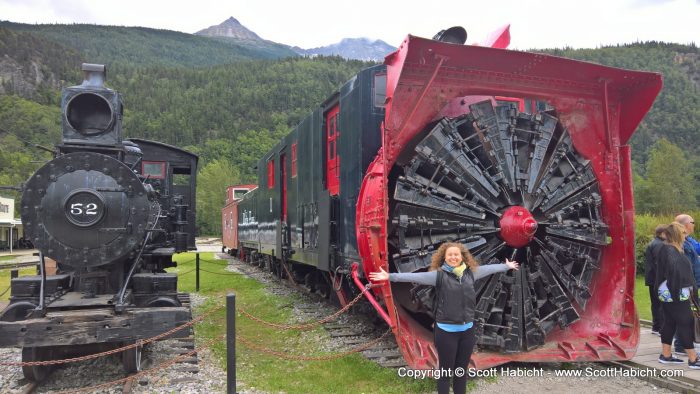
(676, 112)
(231, 113)
(144, 46)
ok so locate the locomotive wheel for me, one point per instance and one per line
(505, 184)
(40, 372)
(17, 311)
(131, 359)
(323, 286)
(269, 264)
(310, 282)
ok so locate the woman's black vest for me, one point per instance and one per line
(456, 299)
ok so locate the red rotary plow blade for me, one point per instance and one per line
(550, 186)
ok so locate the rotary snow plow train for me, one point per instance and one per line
(518, 155)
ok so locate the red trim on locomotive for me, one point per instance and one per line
(332, 159)
(271, 174)
(150, 173)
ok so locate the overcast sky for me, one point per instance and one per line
(312, 23)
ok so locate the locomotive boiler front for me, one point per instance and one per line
(86, 209)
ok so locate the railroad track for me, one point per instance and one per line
(347, 332)
(8, 266)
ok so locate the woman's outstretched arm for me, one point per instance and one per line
(486, 270)
(422, 278)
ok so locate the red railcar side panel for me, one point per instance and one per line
(229, 220)
(229, 214)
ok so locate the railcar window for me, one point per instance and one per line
(238, 193)
(379, 90)
(181, 176)
(153, 169)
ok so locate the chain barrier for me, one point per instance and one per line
(117, 350)
(305, 325)
(184, 262)
(187, 272)
(214, 262)
(221, 273)
(313, 358)
(158, 368)
(5, 291)
(163, 366)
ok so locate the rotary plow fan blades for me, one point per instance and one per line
(506, 184)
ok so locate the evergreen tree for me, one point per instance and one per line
(211, 194)
(669, 186)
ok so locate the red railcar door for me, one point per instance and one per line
(283, 174)
(332, 159)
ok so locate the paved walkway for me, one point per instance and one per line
(648, 355)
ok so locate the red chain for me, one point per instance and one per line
(114, 351)
(305, 325)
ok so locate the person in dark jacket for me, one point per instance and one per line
(690, 245)
(675, 284)
(689, 250)
(455, 270)
(651, 255)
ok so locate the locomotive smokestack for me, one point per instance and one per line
(453, 35)
(94, 75)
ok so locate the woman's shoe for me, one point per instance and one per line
(673, 360)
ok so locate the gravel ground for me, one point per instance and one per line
(210, 378)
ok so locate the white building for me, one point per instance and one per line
(10, 228)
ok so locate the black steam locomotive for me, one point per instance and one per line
(111, 213)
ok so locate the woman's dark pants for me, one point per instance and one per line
(454, 351)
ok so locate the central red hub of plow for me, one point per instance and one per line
(518, 227)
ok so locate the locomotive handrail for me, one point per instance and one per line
(371, 299)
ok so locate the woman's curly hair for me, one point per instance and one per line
(439, 256)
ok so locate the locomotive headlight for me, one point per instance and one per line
(89, 114)
(84, 207)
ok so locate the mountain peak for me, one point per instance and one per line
(231, 21)
(353, 48)
(230, 28)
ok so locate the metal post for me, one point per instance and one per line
(14, 274)
(231, 343)
(40, 310)
(197, 270)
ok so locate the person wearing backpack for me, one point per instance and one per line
(453, 271)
